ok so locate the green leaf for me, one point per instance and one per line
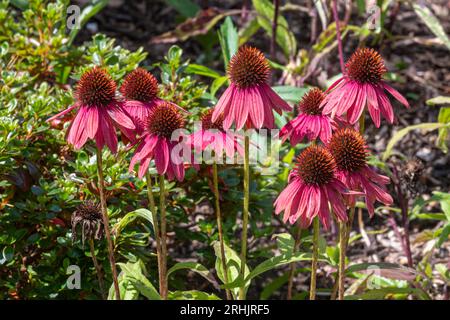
(248, 31)
(380, 294)
(285, 38)
(285, 242)
(290, 93)
(132, 282)
(444, 235)
(133, 272)
(217, 84)
(87, 13)
(233, 264)
(20, 4)
(440, 100)
(432, 23)
(403, 132)
(130, 217)
(195, 267)
(276, 262)
(191, 295)
(443, 137)
(202, 71)
(185, 7)
(229, 40)
(384, 269)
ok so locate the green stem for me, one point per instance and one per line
(151, 201)
(292, 265)
(98, 269)
(162, 208)
(101, 189)
(342, 249)
(219, 227)
(315, 258)
(245, 216)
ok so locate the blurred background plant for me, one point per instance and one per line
(43, 180)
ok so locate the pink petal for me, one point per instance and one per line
(223, 103)
(396, 94)
(162, 156)
(256, 108)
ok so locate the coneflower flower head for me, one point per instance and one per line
(163, 119)
(310, 103)
(88, 215)
(366, 66)
(140, 90)
(96, 88)
(315, 166)
(312, 189)
(207, 123)
(361, 85)
(350, 151)
(248, 67)
(98, 111)
(249, 100)
(140, 85)
(310, 122)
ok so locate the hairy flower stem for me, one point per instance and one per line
(219, 227)
(101, 189)
(338, 36)
(245, 215)
(342, 249)
(298, 237)
(162, 208)
(348, 229)
(315, 257)
(151, 201)
(98, 270)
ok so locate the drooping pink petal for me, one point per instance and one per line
(107, 130)
(119, 116)
(92, 122)
(223, 103)
(241, 108)
(396, 94)
(162, 156)
(385, 106)
(256, 108)
(358, 106)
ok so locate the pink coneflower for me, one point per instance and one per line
(155, 143)
(249, 99)
(312, 188)
(362, 85)
(213, 136)
(310, 123)
(350, 151)
(98, 111)
(140, 90)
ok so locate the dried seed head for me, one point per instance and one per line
(311, 101)
(164, 119)
(248, 67)
(140, 85)
(207, 123)
(88, 214)
(96, 88)
(349, 149)
(365, 66)
(315, 165)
